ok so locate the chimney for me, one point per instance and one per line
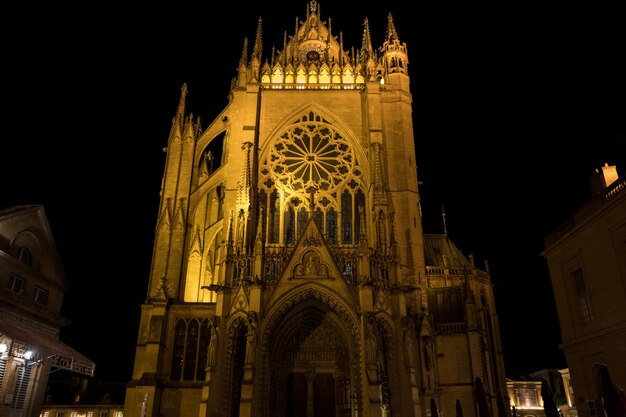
(602, 178)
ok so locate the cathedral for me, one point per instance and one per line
(290, 274)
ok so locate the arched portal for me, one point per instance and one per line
(309, 366)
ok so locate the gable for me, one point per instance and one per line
(312, 265)
(25, 233)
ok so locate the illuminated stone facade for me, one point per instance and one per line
(586, 256)
(290, 274)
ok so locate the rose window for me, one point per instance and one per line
(311, 164)
(311, 155)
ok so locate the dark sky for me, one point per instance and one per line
(514, 107)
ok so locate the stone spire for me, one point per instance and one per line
(392, 35)
(257, 51)
(244, 185)
(366, 49)
(180, 111)
(242, 77)
(380, 195)
(395, 52)
(243, 61)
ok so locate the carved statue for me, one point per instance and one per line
(312, 265)
(251, 339)
(370, 344)
(428, 352)
(212, 353)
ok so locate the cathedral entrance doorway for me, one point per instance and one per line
(310, 368)
(310, 394)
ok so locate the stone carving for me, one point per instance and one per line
(311, 266)
(251, 338)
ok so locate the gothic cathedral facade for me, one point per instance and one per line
(290, 273)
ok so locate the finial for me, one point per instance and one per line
(392, 35)
(367, 40)
(243, 61)
(257, 51)
(443, 217)
(180, 112)
(313, 6)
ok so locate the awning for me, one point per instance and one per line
(61, 355)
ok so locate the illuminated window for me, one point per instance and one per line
(527, 397)
(119, 414)
(104, 414)
(74, 414)
(582, 296)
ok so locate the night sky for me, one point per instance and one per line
(514, 108)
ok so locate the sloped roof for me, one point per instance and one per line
(440, 251)
(61, 355)
(31, 220)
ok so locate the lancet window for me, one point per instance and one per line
(189, 355)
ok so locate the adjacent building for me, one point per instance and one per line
(32, 286)
(80, 396)
(586, 257)
(526, 399)
(290, 272)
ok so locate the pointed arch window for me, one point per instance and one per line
(331, 226)
(359, 203)
(303, 216)
(190, 347)
(263, 210)
(290, 226)
(346, 217)
(318, 218)
(274, 218)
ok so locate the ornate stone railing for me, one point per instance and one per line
(440, 270)
(317, 86)
(450, 328)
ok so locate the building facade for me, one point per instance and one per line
(526, 399)
(290, 273)
(76, 397)
(32, 286)
(586, 257)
